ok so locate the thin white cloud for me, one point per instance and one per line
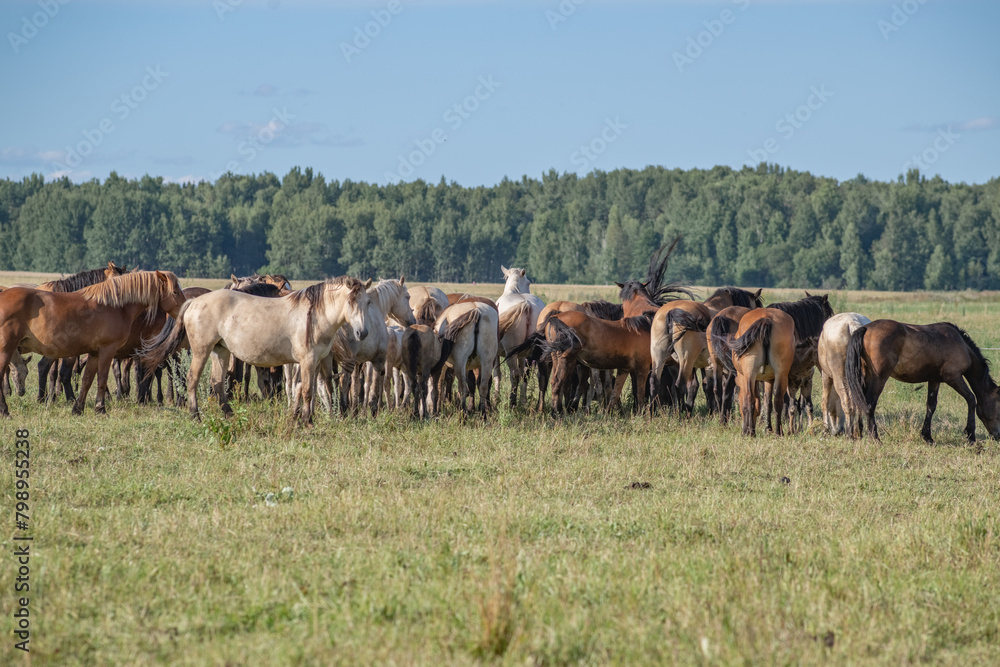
(274, 133)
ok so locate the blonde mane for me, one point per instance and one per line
(142, 287)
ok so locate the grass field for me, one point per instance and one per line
(522, 540)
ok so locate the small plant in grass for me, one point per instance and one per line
(225, 430)
(498, 606)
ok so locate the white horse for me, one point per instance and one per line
(519, 311)
(296, 328)
(469, 340)
(832, 351)
(427, 303)
(387, 299)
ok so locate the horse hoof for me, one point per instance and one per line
(77, 410)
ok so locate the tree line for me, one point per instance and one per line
(764, 226)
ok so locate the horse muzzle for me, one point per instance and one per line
(361, 334)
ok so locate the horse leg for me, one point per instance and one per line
(748, 398)
(224, 356)
(5, 356)
(44, 363)
(89, 371)
(640, 379)
(544, 373)
(932, 396)
(198, 360)
(780, 390)
(104, 360)
(159, 384)
(515, 378)
(873, 389)
(768, 400)
(959, 385)
(616, 392)
(307, 391)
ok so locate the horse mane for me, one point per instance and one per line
(142, 287)
(638, 323)
(653, 289)
(977, 354)
(738, 296)
(260, 289)
(720, 330)
(428, 311)
(809, 314)
(79, 280)
(313, 295)
(604, 310)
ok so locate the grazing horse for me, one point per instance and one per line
(420, 352)
(838, 412)
(678, 332)
(723, 324)
(95, 321)
(427, 303)
(389, 298)
(621, 345)
(912, 353)
(519, 311)
(300, 328)
(469, 340)
(18, 370)
(763, 350)
(62, 369)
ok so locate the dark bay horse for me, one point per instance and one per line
(95, 321)
(621, 345)
(763, 350)
(728, 296)
(912, 353)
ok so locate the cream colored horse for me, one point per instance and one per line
(427, 303)
(519, 311)
(387, 299)
(469, 340)
(297, 328)
(838, 412)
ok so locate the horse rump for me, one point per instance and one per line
(563, 340)
(512, 316)
(758, 331)
(451, 331)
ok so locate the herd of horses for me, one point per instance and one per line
(390, 344)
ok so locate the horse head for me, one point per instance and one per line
(399, 309)
(357, 312)
(171, 294)
(988, 409)
(517, 281)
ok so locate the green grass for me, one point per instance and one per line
(521, 540)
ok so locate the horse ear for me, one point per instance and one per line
(505, 270)
(111, 265)
(758, 293)
(808, 294)
(368, 284)
(162, 277)
(522, 273)
(232, 276)
(619, 284)
(402, 280)
(826, 298)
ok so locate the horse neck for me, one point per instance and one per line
(978, 376)
(383, 296)
(514, 289)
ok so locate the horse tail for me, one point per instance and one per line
(451, 331)
(682, 321)
(719, 331)
(854, 367)
(564, 339)
(428, 312)
(154, 351)
(412, 340)
(512, 316)
(758, 331)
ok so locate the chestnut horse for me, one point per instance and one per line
(728, 296)
(912, 353)
(621, 345)
(95, 321)
(763, 350)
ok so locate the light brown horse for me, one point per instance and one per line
(95, 321)
(621, 345)
(931, 353)
(723, 324)
(678, 333)
(726, 297)
(763, 350)
(427, 302)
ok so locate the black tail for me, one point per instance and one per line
(154, 352)
(758, 331)
(854, 367)
(719, 331)
(413, 345)
(564, 339)
(531, 341)
(682, 321)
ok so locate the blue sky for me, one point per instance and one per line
(476, 91)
